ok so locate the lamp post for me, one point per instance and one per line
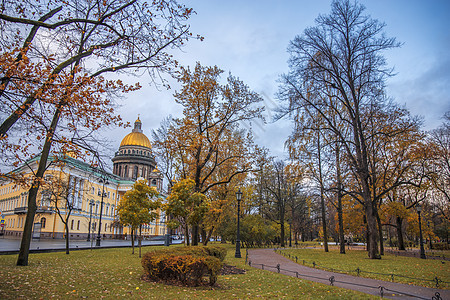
(238, 238)
(104, 182)
(91, 203)
(422, 250)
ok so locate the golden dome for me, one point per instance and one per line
(136, 139)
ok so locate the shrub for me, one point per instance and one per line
(187, 265)
(216, 251)
(441, 246)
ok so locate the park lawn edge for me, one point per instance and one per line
(407, 267)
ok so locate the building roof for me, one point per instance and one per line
(136, 137)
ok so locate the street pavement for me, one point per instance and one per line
(392, 290)
(12, 245)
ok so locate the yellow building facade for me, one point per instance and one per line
(74, 187)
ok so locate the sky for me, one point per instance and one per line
(249, 39)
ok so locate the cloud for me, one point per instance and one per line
(427, 94)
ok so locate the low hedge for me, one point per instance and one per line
(441, 246)
(187, 265)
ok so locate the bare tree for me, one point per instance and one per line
(439, 166)
(340, 60)
(60, 194)
(283, 186)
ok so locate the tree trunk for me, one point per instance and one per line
(290, 226)
(339, 201)
(186, 235)
(380, 234)
(140, 240)
(204, 236)
(195, 235)
(399, 229)
(132, 241)
(67, 237)
(22, 259)
(367, 233)
(372, 241)
(322, 197)
(282, 215)
(282, 234)
(24, 251)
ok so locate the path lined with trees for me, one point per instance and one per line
(267, 259)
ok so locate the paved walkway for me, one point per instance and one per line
(392, 290)
(12, 245)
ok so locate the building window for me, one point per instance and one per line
(93, 190)
(135, 172)
(78, 225)
(106, 226)
(43, 221)
(71, 225)
(125, 173)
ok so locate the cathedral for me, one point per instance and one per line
(135, 159)
(91, 192)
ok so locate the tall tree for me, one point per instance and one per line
(438, 148)
(341, 59)
(308, 145)
(208, 138)
(283, 186)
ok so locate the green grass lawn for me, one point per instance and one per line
(115, 273)
(389, 264)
